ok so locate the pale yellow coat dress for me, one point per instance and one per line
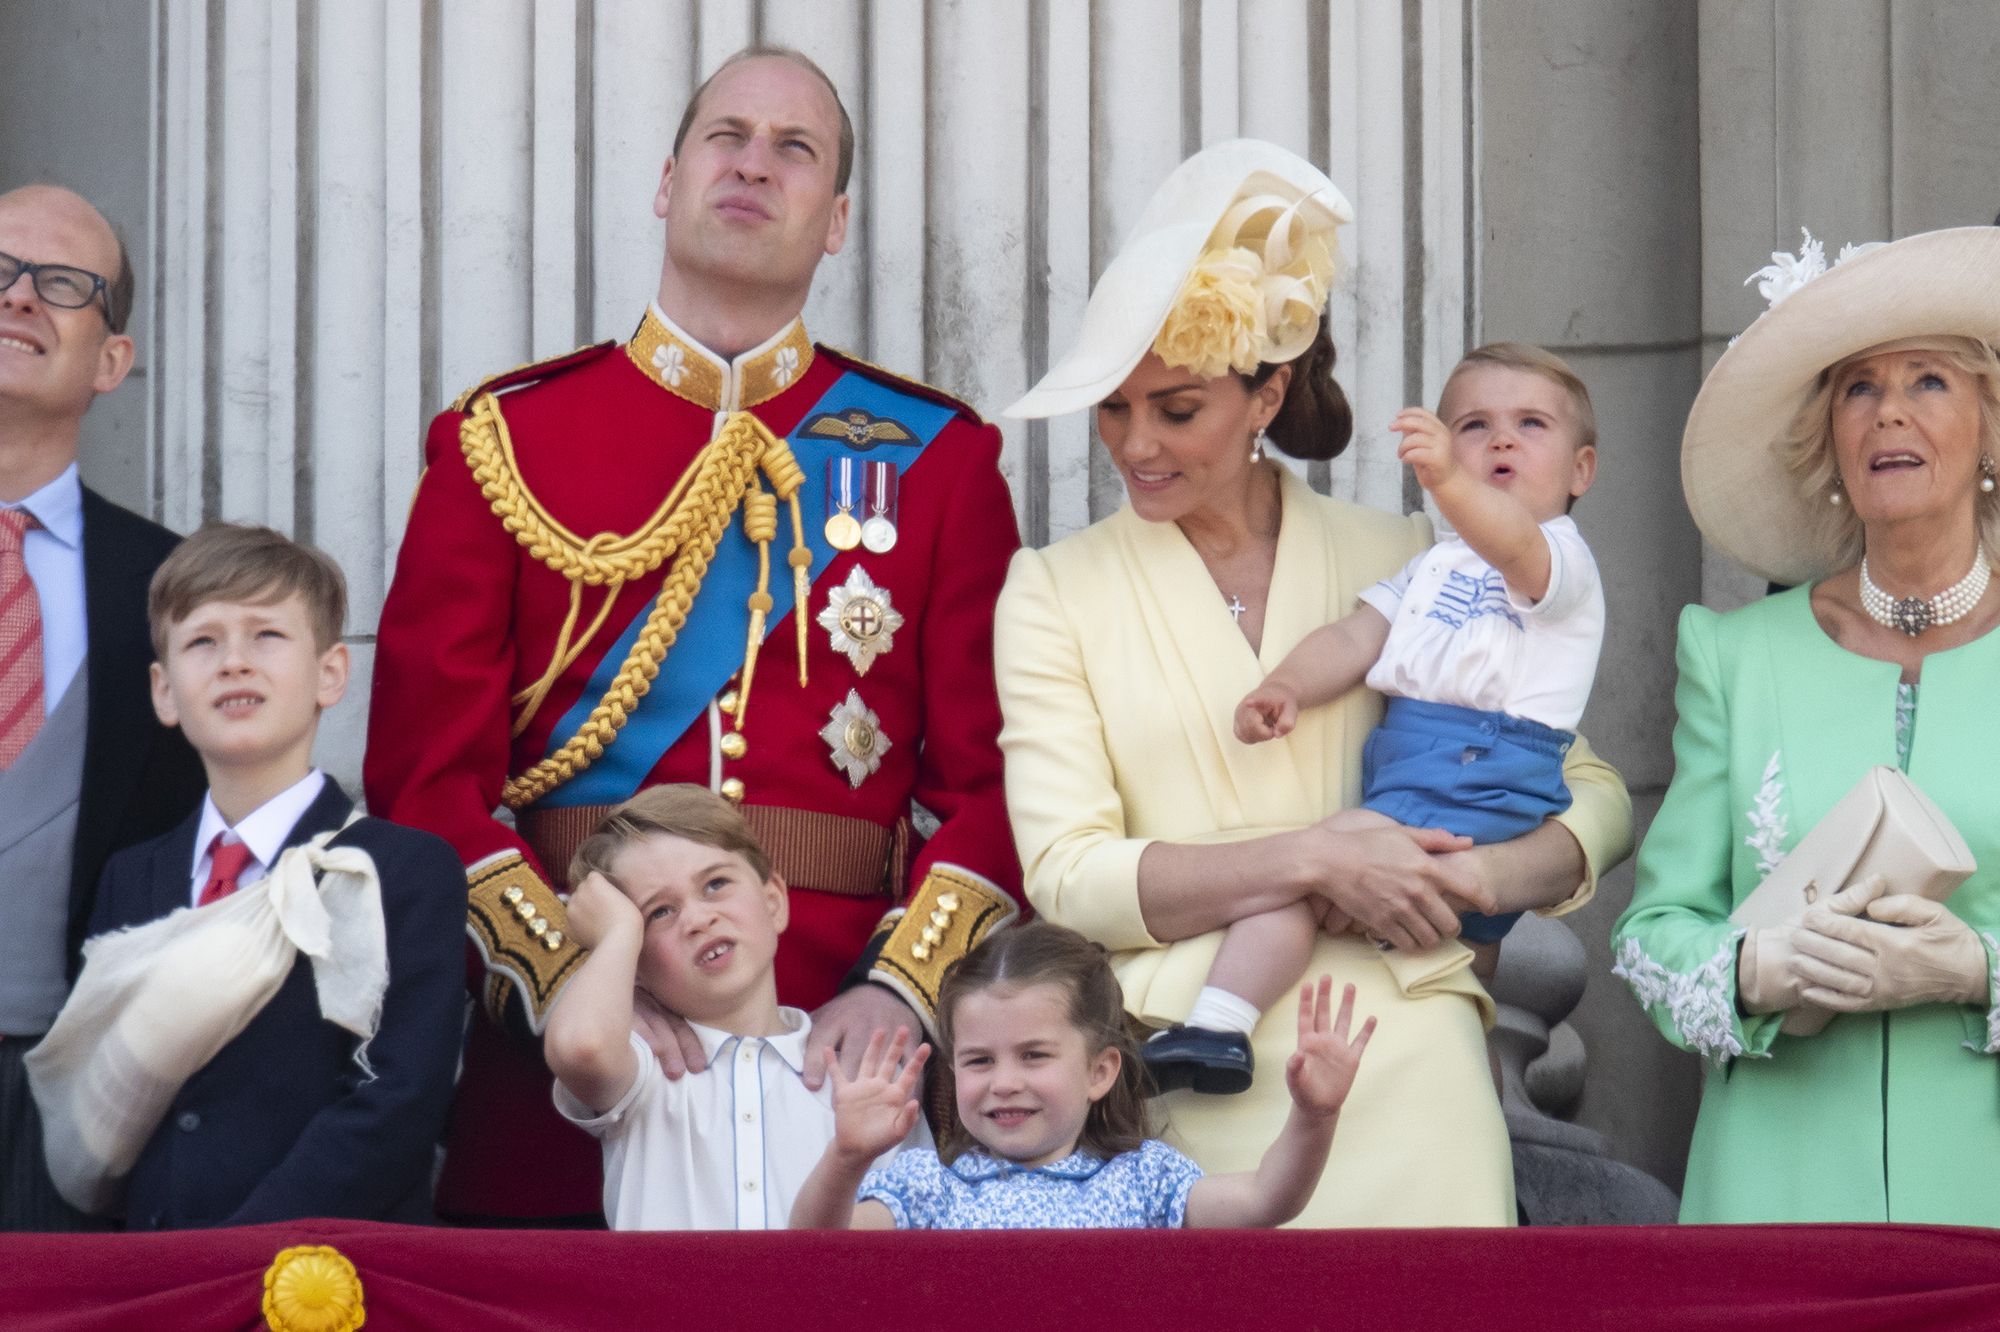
(1120, 669)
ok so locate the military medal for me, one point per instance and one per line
(853, 734)
(879, 532)
(843, 529)
(859, 619)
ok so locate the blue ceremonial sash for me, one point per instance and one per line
(709, 648)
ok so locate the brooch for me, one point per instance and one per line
(853, 734)
(860, 620)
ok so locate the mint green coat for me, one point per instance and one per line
(1882, 1116)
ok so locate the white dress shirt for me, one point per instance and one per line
(724, 1149)
(263, 830)
(53, 552)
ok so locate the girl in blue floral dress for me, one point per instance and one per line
(1052, 1128)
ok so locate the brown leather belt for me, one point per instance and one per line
(830, 853)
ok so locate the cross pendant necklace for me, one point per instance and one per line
(1236, 609)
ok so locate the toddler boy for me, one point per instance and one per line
(1485, 647)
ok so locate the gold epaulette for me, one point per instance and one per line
(916, 388)
(950, 914)
(519, 925)
(529, 370)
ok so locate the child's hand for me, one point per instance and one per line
(1321, 1071)
(876, 1108)
(597, 909)
(1426, 446)
(1266, 712)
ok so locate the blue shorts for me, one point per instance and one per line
(1483, 775)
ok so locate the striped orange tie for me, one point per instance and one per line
(20, 641)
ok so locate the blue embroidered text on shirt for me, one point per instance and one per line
(1464, 598)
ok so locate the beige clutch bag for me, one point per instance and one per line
(1884, 826)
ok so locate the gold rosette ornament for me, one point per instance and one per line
(312, 1288)
(1256, 294)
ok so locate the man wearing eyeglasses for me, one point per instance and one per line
(85, 768)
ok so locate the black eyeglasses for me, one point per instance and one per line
(58, 284)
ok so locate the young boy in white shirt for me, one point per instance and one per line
(675, 897)
(1485, 646)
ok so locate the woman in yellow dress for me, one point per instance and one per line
(1123, 650)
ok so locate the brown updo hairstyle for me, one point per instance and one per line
(1315, 422)
(1039, 953)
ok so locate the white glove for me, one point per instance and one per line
(1894, 952)
(1764, 979)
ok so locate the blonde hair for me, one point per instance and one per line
(1535, 361)
(1806, 445)
(243, 563)
(691, 813)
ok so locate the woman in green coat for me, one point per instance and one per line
(1847, 443)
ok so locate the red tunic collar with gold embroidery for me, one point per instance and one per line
(685, 368)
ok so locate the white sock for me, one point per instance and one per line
(1219, 1010)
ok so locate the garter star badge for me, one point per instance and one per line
(860, 620)
(854, 735)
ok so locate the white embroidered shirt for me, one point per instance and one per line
(1459, 635)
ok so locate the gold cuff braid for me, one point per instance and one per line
(518, 924)
(952, 911)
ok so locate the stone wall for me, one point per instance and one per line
(76, 110)
(343, 213)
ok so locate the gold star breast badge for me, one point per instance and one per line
(854, 735)
(859, 620)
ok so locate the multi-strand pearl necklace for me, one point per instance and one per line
(1913, 615)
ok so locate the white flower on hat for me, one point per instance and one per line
(1853, 251)
(1786, 273)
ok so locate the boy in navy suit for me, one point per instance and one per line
(285, 1121)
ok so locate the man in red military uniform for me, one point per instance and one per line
(716, 553)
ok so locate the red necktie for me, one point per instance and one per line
(20, 641)
(226, 861)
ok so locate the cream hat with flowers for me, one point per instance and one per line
(1228, 268)
(1744, 500)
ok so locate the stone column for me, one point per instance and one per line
(363, 208)
(1590, 245)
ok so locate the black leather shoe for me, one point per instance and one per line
(1213, 1063)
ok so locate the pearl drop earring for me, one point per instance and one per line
(1986, 473)
(1261, 439)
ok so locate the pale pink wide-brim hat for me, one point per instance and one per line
(1744, 500)
(1137, 290)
